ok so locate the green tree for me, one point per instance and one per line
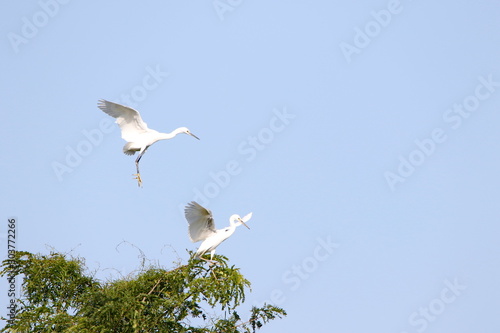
(58, 296)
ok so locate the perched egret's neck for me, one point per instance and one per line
(234, 222)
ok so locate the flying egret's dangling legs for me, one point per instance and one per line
(138, 174)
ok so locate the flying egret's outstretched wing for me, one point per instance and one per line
(128, 119)
(201, 222)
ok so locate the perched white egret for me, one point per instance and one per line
(135, 131)
(202, 227)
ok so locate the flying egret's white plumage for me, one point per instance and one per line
(135, 131)
(202, 228)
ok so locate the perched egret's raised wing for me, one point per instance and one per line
(247, 217)
(128, 119)
(201, 222)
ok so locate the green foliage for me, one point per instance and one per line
(59, 297)
(53, 288)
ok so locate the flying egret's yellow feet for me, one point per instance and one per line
(138, 177)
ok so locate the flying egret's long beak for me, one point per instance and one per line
(193, 135)
(243, 222)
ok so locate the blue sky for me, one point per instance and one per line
(363, 137)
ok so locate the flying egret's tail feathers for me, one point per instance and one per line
(127, 150)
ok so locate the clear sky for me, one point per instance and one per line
(363, 136)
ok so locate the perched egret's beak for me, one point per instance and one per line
(243, 223)
(194, 136)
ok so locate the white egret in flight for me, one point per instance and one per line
(135, 131)
(202, 227)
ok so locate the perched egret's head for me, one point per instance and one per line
(187, 131)
(237, 220)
